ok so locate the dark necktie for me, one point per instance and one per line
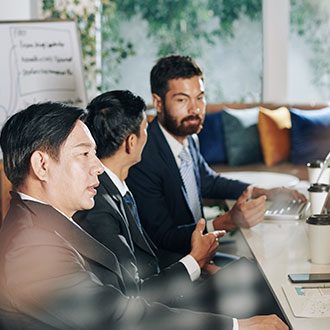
(130, 202)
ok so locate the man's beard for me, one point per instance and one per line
(182, 130)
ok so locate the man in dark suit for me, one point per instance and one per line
(118, 125)
(170, 200)
(53, 274)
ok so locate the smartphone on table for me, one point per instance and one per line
(310, 278)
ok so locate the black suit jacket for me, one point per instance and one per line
(160, 194)
(56, 276)
(112, 223)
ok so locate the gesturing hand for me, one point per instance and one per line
(203, 247)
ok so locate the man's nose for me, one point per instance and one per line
(98, 167)
(195, 108)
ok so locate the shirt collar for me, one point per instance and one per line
(29, 198)
(175, 146)
(121, 185)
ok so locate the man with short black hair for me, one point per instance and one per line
(118, 124)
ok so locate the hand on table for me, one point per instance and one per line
(203, 247)
(245, 213)
(268, 322)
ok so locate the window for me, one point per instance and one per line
(309, 52)
(224, 37)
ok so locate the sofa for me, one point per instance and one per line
(223, 147)
(265, 137)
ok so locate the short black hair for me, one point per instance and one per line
(43, 126)
(113, 116)
(172, 67)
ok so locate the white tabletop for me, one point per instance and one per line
(263, 179)
(280, 248)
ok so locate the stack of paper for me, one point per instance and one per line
(308, 301)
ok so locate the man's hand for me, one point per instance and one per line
(268, 322)
(211, 268)
(203, 247)
(245, 213)
(278, 193)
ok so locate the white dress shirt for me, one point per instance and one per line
(176, 148)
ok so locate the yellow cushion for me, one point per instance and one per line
(274, 131)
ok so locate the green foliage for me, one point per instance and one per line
(310, 20)
(229, 11)
(176, 24)
(85, 18)
(115, 48)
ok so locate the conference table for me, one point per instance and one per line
(281, 247)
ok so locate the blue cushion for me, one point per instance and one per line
(310, 134)
(211, 142)
(241, 136)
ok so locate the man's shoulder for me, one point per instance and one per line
(19, 215)
(22, 229)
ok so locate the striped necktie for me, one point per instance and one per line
(189, 181)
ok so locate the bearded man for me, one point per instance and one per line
(173, 177)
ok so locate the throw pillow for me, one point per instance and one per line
(310, 134)
(241, 136)
(274, 131)
(211, 142)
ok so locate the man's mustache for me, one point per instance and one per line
(192, 117)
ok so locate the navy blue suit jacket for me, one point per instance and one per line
(159, 192)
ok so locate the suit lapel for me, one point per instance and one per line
(48, 218)
(139, 239)
(168, 158)
(124, 213)
(113, 196)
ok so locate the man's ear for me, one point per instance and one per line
(39, 165)
(157, 101)
(130, 143)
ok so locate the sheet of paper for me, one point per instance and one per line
(312, 301)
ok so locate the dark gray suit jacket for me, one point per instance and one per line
(112, 223)
(56, 276)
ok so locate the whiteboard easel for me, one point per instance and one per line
(39, 61)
